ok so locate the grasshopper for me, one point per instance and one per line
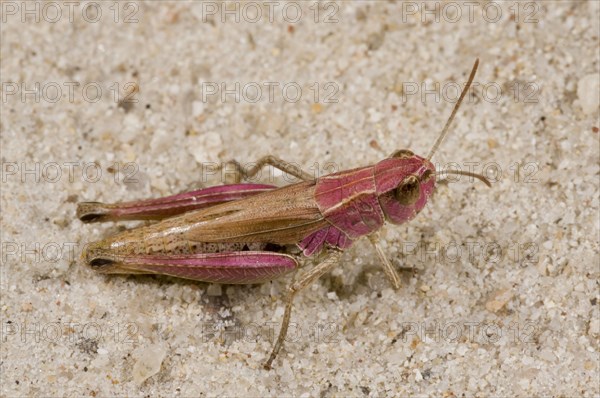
(252, 233)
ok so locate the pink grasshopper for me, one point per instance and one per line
(253, 233)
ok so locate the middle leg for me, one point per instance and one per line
(249, 172)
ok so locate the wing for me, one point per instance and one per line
(281, 216)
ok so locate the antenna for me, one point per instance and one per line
(462, 95)
(466, 173)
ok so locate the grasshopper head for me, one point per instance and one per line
(404, 182)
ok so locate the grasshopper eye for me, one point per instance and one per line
(409, 191)
(402, 154)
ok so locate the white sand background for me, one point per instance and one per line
(502, 299)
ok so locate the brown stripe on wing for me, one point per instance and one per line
(282, 216)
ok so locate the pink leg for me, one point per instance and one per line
(286, 167)
(156, 209)
(388, 268)
(243, 267)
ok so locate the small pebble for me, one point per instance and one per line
(148, 363)
(498, 300)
